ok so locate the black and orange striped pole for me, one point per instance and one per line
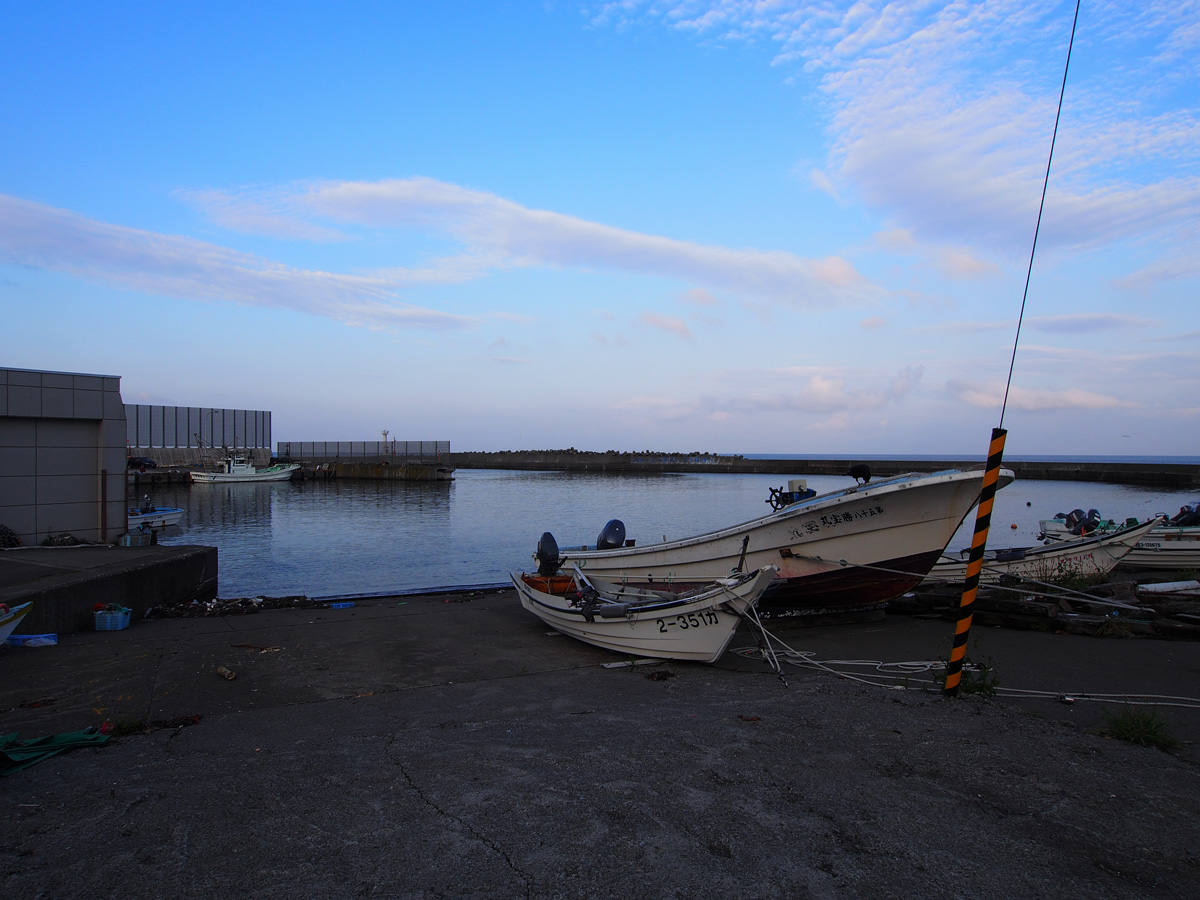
(983, 520)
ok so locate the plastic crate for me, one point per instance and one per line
(112, 621)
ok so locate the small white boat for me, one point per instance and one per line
(847, 549)
(156, 517)
(693, 625)
(1173, 544)
(11, 618)
(1086, 557)
(239, 468)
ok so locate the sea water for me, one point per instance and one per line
(334, 538)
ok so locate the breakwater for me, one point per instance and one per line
(1147, 474)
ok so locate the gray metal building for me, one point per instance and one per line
(62, 455)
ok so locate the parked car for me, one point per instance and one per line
(141, 462)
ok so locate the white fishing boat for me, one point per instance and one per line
(240, 468)
(11, 618)
(851, 548)
(1084, 557)
(1172, 544)
(156, 517)
(696, 625)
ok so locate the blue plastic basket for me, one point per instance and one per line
(112, 621)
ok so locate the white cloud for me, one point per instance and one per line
(961, 265)
(1164, 270)
(822, 182)
(39, 236)
(500, 233)
(670, 324)
(942, 112)
(898, 240)
(991, 396)
(257, 214)
(699, 297)
(1087, 323)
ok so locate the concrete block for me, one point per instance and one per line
(24, 400)
(112, 383)
(58, 403)
(18, 461)
(58, 380)
(89, 404)
(17, 491)
(134, 577)
(16, 432)
(88, 382)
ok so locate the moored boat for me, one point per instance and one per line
(1087, 557)
(1172, 544)
(695, 624)
(239, 468)
(156, 517)
(847, 549)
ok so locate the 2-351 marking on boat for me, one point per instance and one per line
(691, 620)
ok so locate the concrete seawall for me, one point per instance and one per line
(1152, 475)
(66, 583)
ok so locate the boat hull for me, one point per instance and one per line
(275, 473)
(10, 619)
(848, 549)
(697, 628)
(162, 517)
(1163, 547)
(1089, 557)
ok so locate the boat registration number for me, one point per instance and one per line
(691, 620)
(832, 520)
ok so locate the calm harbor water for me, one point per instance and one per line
(357, 537)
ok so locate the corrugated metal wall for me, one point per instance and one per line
(362, 449)
(184, 427)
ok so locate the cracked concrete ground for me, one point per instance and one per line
(452, 747)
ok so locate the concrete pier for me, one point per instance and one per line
(65, 583)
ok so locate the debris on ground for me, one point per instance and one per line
(238, 606)
(63, 539)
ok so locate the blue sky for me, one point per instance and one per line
(775, 227)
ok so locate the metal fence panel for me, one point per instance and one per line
(178, 427)
(422, 450)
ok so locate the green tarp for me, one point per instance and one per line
(16, 754)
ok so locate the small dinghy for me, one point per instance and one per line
(692, 625)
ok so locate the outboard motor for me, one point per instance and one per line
(1074, 521)
(1188, 516)
(1091, 522)
(611, 536)
(547, 555)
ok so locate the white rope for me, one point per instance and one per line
(892, 670)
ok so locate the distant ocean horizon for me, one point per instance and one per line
(1015, 457)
